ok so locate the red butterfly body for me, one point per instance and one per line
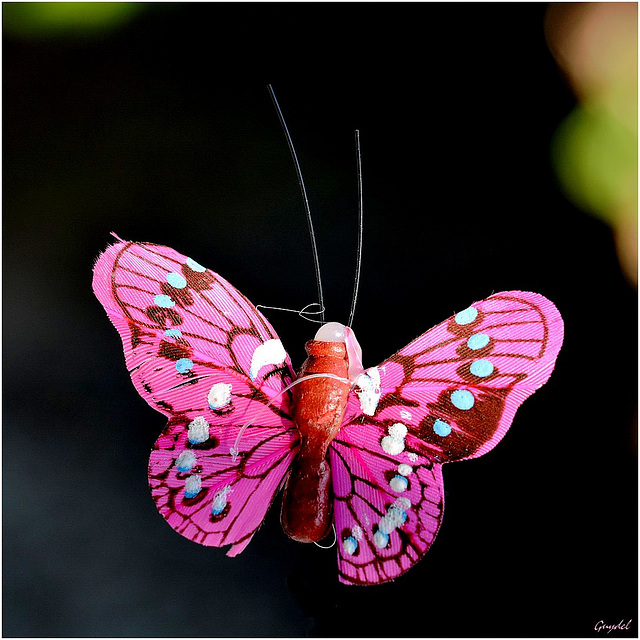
(318, 411)
(360, 449)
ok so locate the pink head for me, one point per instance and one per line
(336, 332)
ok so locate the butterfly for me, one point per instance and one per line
(200, 353)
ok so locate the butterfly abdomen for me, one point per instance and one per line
(319, 404)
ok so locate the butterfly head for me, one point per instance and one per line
(336, 332)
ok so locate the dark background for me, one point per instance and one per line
(162, 130)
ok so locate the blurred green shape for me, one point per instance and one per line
(596, 158)
(46, 19)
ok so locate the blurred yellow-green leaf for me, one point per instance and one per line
(596, 159)
(45, 19)
(595, 150)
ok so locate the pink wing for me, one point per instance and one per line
(387, 508)
(451, 394)
(202, 354)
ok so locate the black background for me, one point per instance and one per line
(163, 131)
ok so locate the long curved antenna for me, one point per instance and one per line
(307, 210)
(360, 231)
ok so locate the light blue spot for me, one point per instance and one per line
(441, 427)
(466, 315)
(198, 430)
(481, 368)
(462, 399)
(164, 301)
(218, 509)
(191, 494)
(173, 333)
(478, 341)
(194, 266)
(350, 545)
(176, 280)
(183, 365)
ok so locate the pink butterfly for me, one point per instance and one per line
(199, 352)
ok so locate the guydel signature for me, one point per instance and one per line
(621, 626)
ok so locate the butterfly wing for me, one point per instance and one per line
(216, 491)
(387, 508)
(199, 352)
(451, 394)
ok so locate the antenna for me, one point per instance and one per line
(305, 199)
(360, 230)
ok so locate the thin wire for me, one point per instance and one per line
(335, 539)
(305, 199)
(360, 232)
(303, 313)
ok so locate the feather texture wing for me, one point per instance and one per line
(387, 507)
(168, 308)
(457, 386)
(214, 486)
(451, 394)
(199, 352)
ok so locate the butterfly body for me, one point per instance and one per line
(319, 404)
(362, 450)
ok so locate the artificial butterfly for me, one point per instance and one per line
(199, 352)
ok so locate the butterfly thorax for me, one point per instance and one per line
(319, 404)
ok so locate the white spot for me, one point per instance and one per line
(269, 352)
(405, 469)
(399, 484)
(381, 539)
(219, 395)
(405, 415)
(396, 516)
(368, 390)
(192, 486)
(186, 461)
(398, 430)
(386, 525)
(220, 500)
(356, 532)
(413, 457)
(350, 545)
(198, 430)
(392, 446)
